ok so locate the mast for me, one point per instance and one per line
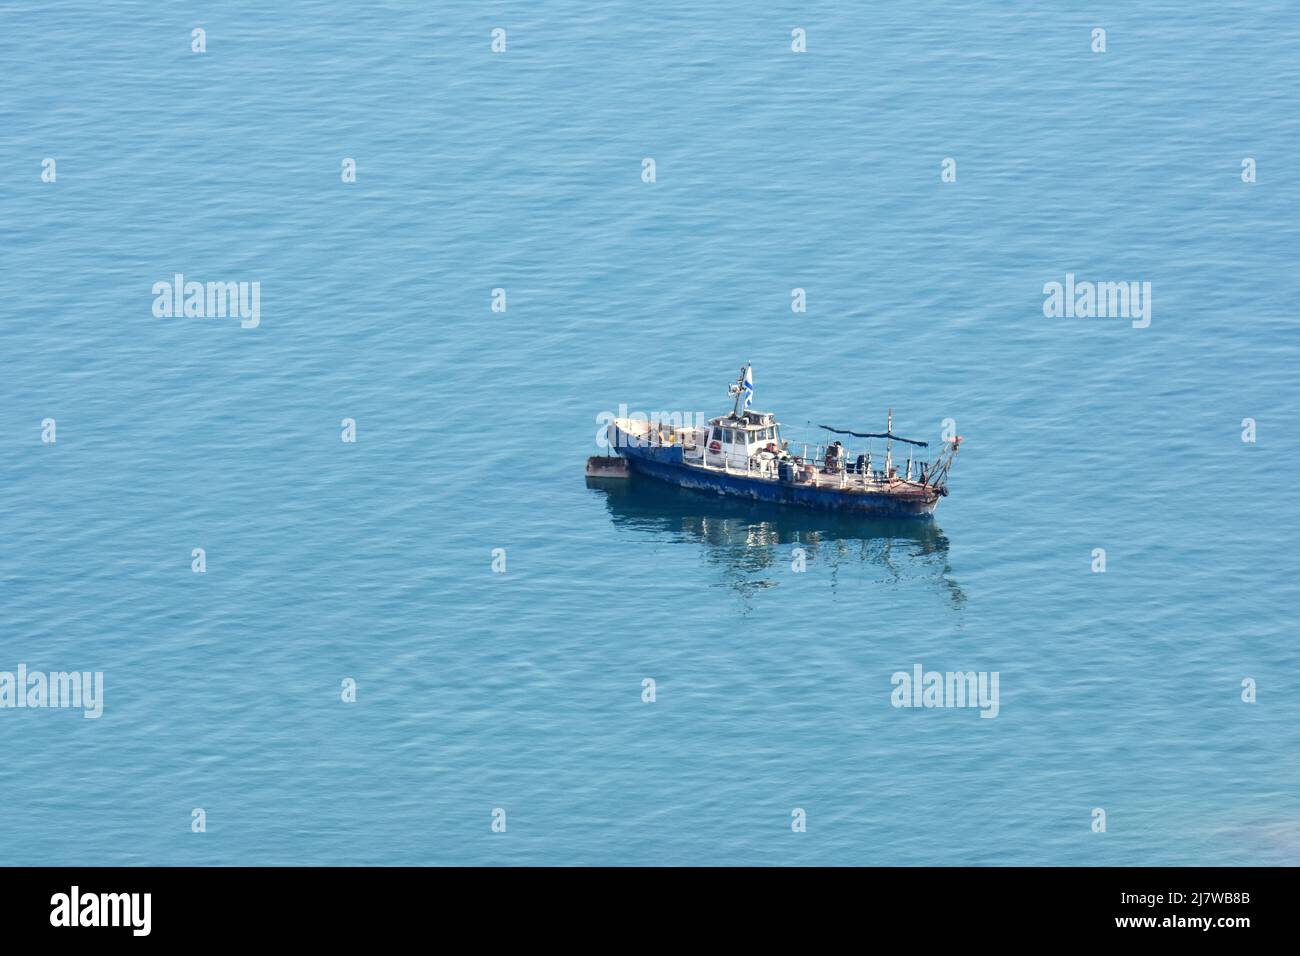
(738, 389)
(889, 445)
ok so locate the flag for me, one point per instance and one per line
(748, 387)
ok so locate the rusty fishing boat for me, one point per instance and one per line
(743, 454)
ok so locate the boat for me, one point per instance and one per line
(743, 454)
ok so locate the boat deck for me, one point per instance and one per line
(874, 482)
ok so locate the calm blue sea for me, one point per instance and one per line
(522, 690)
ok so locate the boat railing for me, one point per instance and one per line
(742, 464)
(847, 477)
(815, 452)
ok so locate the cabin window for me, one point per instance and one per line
(730, 438)
(717, 434)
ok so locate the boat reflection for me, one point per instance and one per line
(746, 539)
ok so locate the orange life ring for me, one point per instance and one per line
(715, 447)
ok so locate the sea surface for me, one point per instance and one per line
(521, 690)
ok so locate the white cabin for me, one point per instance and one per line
(737, 440)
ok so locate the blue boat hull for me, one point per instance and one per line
(666, 464)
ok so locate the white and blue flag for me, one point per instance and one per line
(747, 385)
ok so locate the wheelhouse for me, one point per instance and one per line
(740, 438)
